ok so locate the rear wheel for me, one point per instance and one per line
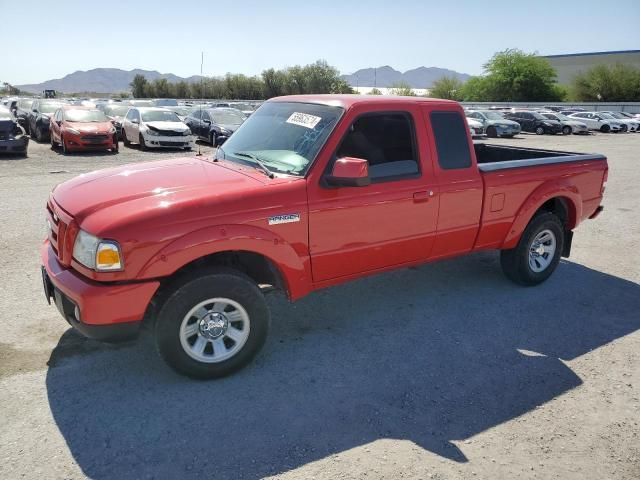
(538, 252)
(492, 132)
(212, 325)
(605, 128)
(566, 130)
(539, 131)
(213, 139)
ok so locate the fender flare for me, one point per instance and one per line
(294, 270)
(549, 190)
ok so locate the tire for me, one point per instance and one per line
(125, 140)
(53, 144)
(65, 150)
(522, 265)
(624, 128)
(212, 139)
(492, 132)
(605, 128)
(115, 142)
(539, 131)
(180, 330)
(566, 130)
(143, 144)
(38, 134)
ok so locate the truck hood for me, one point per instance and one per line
(149, 185)
(175, 126)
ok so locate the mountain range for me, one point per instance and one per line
(114, 80)
(386, 76)
(100, 80)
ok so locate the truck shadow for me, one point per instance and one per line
(433, 355)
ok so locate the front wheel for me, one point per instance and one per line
(566, 130)
(605, 128)
(492, 132)
(538, 252)
(212, 325)
(143, 144)
(212, 139)
(539, 131)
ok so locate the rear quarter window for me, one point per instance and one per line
(450, 132)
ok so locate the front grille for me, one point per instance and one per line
(169, 133)
(172, 144)
(57, 233)
(94, 138)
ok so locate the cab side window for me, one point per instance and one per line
(450, 132)
(196, 114)
(386, 141)
(205, 117)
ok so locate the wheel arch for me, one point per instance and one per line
(559, 197)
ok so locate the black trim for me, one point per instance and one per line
(534, 162)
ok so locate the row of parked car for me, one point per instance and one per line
(507, 122)
(80, 125)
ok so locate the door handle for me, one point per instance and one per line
(422, 196)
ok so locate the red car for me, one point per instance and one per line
(81, 128)
(311, 191)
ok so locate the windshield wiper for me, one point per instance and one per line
(257, 161)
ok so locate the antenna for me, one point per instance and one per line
(199, 154)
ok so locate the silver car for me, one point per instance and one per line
(632, 124)
(569, 125)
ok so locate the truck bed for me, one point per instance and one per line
(499, 157)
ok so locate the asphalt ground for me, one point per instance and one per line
(446, 371)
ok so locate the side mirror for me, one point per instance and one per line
(208, 122)
(136, 121)
(349, 172)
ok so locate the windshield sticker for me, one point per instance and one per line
(304, 120)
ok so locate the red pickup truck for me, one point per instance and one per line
(310, 191)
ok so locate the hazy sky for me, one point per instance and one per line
(45, 40)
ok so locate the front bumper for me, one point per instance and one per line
(507, 131)
(14, 145)
(177, 141)
(103, 311)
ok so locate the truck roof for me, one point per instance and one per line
(347, 101)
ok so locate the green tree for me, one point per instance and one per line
(403, 89)
(448, 88)
(274, 83)
(514, 76)
(375, 91)
(138, 85)
(616, 83)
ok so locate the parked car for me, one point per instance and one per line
(632, 124)
(39, 116)
(182, 111)
(165, 102)
(598, 121)
(154, 127)
(116, 113)
(632, 116)
(140, 103)
(214, 125)
(306, 195)
(76, 128)
(245, 108)
(23, 107)
(534, 122)
(475, 127)
(569, 125)
(13, 138)
(494, 123)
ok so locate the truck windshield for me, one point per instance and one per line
(284, 136)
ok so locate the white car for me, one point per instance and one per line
(598, 121)
(153, 127)
(475, 128)
(569, 125)
(633, 124)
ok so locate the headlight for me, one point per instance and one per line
(152, 132)
(96, 254)
(112, 130)
(72, 131)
